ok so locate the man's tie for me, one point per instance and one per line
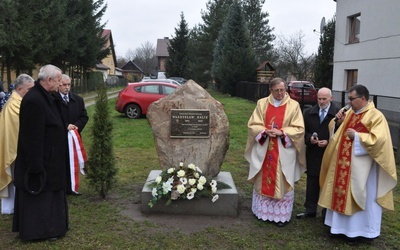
(322, 115)
(66, 99)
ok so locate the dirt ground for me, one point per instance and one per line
(188, 223)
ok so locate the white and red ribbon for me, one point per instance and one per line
(77, 158)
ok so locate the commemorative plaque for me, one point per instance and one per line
(190, 123)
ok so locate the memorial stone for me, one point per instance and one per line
(190, 126)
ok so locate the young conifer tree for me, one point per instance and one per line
(101, 163)
(234, 58)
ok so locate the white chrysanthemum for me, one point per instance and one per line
(213, 189)
(202, 180)
(190, 196)
(192, 181)
(154, 192)
(199, 170)
(200, 186)
(192, 166)
(170, 170)
(213, 183)
(158, 179)
(193, 190)
(183, 181)
(167, 186)
(181, 173)
(196, 175)
(180, 164)
(181, 189)
(215, 198)
(170, 179)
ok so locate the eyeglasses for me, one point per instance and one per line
(353, 98)
(278, 90)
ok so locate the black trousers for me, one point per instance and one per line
(312, 194)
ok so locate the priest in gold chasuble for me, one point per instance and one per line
(276, 152)
(9, 128)
(358, 171)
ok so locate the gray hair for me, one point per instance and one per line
(48, 70)
(66, 77)
(276, 81)
(22, 79)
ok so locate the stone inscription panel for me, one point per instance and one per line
(190, 123)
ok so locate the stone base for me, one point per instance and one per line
(226, 205)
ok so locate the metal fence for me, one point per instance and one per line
(79, 87)
(251, 90)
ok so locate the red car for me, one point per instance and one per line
(136, 98)
(297, 88)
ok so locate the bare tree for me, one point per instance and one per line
(293, 61)
(145, 58)
(130, 55)
(121, 61)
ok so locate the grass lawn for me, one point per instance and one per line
(105, 224)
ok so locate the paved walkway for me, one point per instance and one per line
(90, 100)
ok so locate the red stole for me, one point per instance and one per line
(273, 119)
(341, 185)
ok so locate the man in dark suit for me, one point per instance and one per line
(41, 210)
(73, 109)
(74, 114)
(316, 120)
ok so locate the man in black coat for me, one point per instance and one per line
(41, 210)
(316, 120)
(74, 114)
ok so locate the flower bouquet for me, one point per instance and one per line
(183, 183)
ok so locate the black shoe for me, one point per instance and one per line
(305, 215)
(282, 224)
(323, 213)
(353, 241)
(359, 239)
(52, 239)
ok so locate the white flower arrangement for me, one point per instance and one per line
(183, 183)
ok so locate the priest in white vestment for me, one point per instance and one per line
(276, 152)
(9, 127)
(358, 171)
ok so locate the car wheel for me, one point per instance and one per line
(132, 111)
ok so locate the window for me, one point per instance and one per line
(153, 89)
(352, 76)
(354, 28)
(167, 90)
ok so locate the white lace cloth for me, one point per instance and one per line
(268, 209)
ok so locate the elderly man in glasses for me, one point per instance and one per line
(276, 152)
(358, 171)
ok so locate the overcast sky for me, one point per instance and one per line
(134, 22)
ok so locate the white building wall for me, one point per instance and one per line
(377, 55)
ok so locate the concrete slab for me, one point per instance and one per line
(226, 205)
